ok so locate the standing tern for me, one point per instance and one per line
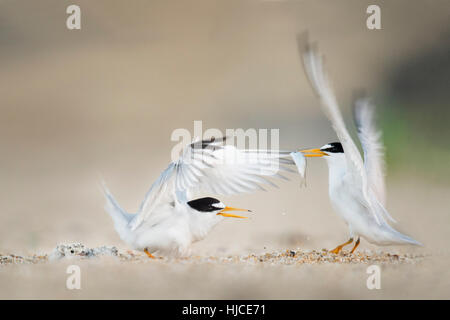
(169, 220)
(356, 187)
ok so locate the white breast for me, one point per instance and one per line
(169, 236)
(346, 197)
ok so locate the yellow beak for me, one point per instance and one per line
(222, 212)
(313, 153)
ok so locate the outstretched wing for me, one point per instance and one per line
(209, 166)
(172, 184)
(313, 64)
(370, 138)
(232, 171)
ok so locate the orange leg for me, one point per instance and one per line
(356, 246)
(339, 248)
(149, 254)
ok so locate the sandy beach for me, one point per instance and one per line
(276, 255)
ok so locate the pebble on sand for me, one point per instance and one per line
(286, 257)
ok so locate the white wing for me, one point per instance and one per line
(209, 166)
(370, 138)
(234, 171)
(314, 69)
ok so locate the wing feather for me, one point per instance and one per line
(313, 64)
(209, 166)
(370, 138)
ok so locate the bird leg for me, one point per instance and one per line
(149, 254)
(356, 245)
(339, 248)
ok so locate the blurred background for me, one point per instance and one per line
(77, 106)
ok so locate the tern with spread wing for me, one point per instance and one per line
(169, 220)
(356, 187)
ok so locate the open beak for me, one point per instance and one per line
(313, 153)
(226, 209)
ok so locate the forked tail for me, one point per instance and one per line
(120, 217)
(400, 238)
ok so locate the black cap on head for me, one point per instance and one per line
(204, 204)
(333, 147)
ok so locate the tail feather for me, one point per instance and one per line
(408, 240)
(120, 217)
(400, 238)
(390, 233)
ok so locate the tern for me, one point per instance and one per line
(169, 220)
(356, 187)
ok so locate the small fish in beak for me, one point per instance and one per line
(300, 162)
